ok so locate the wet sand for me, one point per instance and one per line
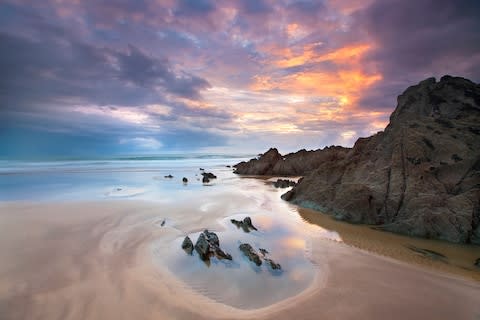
(459, 260)
(93, 260)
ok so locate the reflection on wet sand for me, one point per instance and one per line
(458, 259)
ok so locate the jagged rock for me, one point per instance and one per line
(169, 176)
(284, 183)
(293, 164)
(273, 264)
(246, 224)
(187, 245)
(420, 176)
(250, 253)
(202, 247)
(184, 180)
(208, 244)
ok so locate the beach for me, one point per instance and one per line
(93, 251)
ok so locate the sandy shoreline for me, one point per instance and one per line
(92, 260)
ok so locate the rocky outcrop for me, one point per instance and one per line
(293, 164)
(420, 177)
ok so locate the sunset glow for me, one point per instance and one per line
(205, 75)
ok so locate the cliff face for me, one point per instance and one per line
(420, 177)
(292, 164)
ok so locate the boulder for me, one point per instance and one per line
(205, 180)
(184, 180)
(187, 245)
(250, 253)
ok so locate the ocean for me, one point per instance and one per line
(93, 179)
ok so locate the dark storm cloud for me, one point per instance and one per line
(418, 39)
(34, 71)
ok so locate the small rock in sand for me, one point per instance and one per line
(187, 245)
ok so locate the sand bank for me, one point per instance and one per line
(92, 260)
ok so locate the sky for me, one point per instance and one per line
(97, 77)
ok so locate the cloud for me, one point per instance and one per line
(148, 143)
(418, 39)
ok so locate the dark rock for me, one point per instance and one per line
(477, 263)
(187, 245)
(202, 247)
(228, 166)
(264, 252)
(248, 222)
(245, 224)
(185, 180)
(209, 175)
(250, 253)
(406, 179)
(163, 223)
(211, 237)
(201, 169)
(169, 176)
(208, 244)
(273, 264)
(292, 164)
(284, 183)
(205, 180)
(427, 253)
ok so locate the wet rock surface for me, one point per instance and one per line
(477, 263)
(187, 245)
(207, 245)
(246, 224)
(250, 253)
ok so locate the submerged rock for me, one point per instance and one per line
(245, 224)
(187, 245)
(250, 253)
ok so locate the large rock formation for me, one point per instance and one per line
(419, 177)
(292, 164)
